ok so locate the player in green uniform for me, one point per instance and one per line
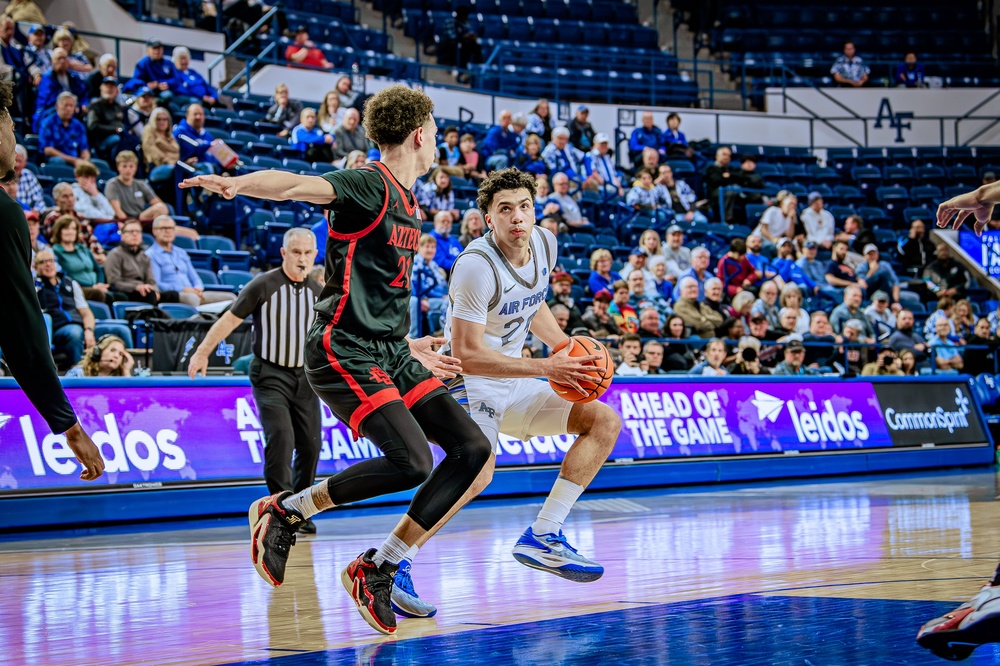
(359, 360)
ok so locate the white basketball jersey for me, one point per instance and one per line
(486, 289)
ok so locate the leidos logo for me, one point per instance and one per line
(137, 449)
(814, 425)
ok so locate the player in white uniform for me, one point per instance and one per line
(497, 292)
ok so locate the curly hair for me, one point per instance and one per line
(6, 97)
(393, 113)
(501, 181)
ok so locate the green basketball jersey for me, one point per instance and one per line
(374, 231)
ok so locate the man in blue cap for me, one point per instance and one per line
(581, 132)
(106, 121)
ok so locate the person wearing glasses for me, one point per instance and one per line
(74, 328)
(172, 268)
(129, 270)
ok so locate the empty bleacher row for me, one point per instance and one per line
(784, 43)
(609, 11)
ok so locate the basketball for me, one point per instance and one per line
(603, 372)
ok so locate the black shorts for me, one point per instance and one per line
(355, 376)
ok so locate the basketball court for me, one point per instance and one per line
(836, 571)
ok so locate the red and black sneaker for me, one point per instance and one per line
(371, 588)
(955, 635)
(272, 535)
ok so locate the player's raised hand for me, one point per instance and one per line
(443, 367)
(86, 452)
(217, 184)
(570, 370)
(961, 207)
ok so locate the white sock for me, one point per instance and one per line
(411, 554)
(557, 506)
(304, 501)
(392, 550)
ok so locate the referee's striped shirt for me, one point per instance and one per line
(282, 313)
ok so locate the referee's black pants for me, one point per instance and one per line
(290, 416)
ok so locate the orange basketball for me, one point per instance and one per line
(603, 372)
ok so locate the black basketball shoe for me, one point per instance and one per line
(955, 635)
(272, 535)
(371, 588)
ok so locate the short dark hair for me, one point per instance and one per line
(501, 181)
(629, 337)
(449, 129)
(394, 113)
(738, 245)
(839, 242)
(673, 114)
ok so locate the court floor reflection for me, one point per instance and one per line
(825, 572)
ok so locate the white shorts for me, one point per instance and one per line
(519, 408)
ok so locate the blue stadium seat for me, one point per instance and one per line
(871, 156)
(235, 278)
(267, 162)
(840, 213)
(296, 165)
(930, 175)
(867, 177)
(850, 195)
(924, 213)
(179, 310)
(233, 260)
(207, 277)
(874, 216)
(120, 308)
(216, 244)
(202, 259)
(926, 195)
(100, 310)
(961, 156)
(899, 175)
(963, 175)
(989, 394)
(185, 242)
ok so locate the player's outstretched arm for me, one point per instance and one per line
(274, 185)
(978, 203)
(443, 367)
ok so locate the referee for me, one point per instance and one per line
(281, 302)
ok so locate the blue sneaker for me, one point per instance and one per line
(405, 600)
(552, 553)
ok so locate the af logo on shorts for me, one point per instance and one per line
(489, 411)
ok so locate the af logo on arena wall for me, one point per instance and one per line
(885, 112)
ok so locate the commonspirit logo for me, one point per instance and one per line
(939, 419)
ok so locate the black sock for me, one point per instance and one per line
(996, 577)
